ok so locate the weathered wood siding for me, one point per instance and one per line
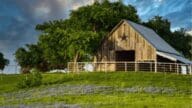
(144, 51)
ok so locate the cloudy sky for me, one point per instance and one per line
(19, 17)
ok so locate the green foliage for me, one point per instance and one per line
(3, 61)
(30, 57)
(76, 38)
(31, 80)
(103, 16)
(182, 42)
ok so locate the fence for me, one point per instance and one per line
(130, 66)
(11, 69)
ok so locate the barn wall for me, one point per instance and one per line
(144, 51)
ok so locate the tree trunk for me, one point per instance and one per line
(94, 27)
(75, 63)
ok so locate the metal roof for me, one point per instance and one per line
(178, 58)
(160, 44)
(153, 38)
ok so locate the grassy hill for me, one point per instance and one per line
(100, 90)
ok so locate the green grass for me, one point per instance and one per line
(8, 82)
(181, 97)
(116, 100)
(122, 79)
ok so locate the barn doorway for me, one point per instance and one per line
(125, 56)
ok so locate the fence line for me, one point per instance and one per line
(130, 66)
(11, 69)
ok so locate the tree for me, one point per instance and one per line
(30, 57)
(78, 37)
(161, 26)
(3, 61)
(182, 42)
(103, 16)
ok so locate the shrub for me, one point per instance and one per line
(30, 80)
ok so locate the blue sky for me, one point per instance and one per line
(19, 17)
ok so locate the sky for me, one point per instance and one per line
(19, 17)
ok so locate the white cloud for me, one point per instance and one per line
(159, 0)
(41, 11)
(189, 32)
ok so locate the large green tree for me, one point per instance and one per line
(31, 57)
(3, 61)
(182, 42)
(78, 37)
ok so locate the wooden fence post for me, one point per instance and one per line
(155, 66)
(190, 69)
(77, 67)
(125, 66)
(150, 67)
(177, 69)
(68, 67)
(136, 67)
(105, 67)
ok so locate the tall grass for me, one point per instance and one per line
(112, 90)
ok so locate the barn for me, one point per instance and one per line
(131, 46)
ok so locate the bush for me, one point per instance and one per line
(31, 80)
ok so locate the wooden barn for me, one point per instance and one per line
(134, 43)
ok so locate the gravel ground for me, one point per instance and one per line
(61, 90)
(56, 105)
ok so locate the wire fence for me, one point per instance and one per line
(115, 66)
(11, 69)
(130, 66)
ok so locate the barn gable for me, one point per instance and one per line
(125, 38)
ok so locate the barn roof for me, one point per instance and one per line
(161, 45)
(174, 57)
(153, 38)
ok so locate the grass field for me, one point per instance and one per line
(100, 90)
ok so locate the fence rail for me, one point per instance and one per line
(11, 69)
(130, 66)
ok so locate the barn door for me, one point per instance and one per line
(125, 56)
